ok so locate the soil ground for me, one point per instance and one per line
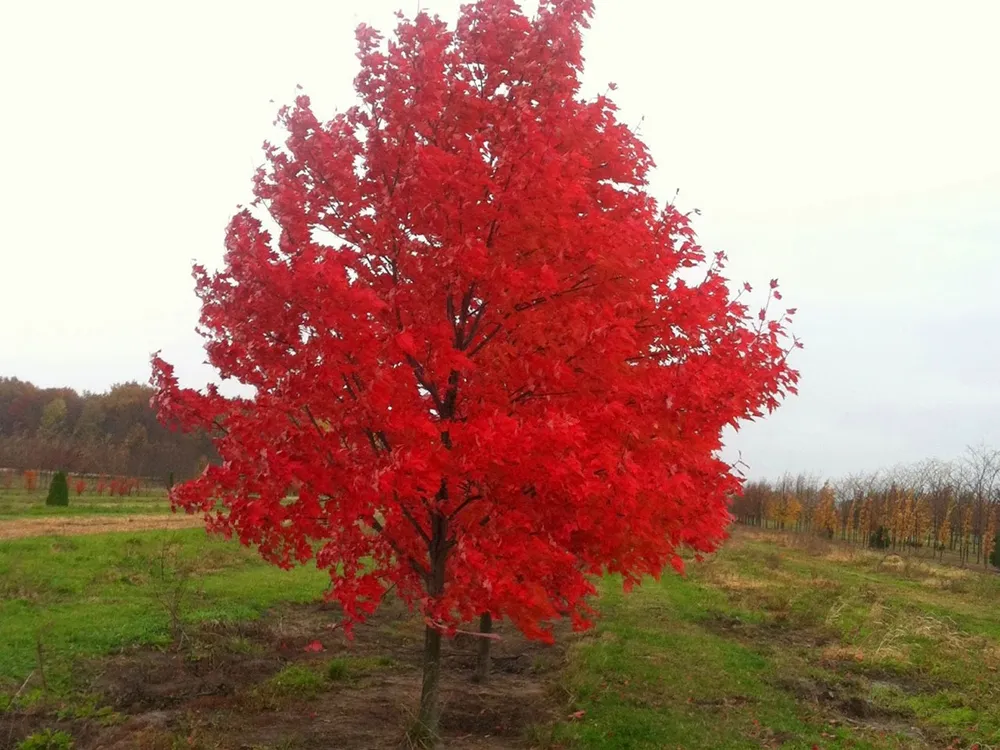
(257, 685)
(18, 528)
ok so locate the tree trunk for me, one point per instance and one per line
(429, 715)
(483, 648)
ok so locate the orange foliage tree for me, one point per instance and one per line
(824, 519)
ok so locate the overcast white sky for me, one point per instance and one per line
(851, 149)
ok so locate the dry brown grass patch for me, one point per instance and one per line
(78, 525)
(730, 581)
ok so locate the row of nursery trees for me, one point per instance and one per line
(33, 480)
(932, 507)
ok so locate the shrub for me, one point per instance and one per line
(58, 490)
(995, 554)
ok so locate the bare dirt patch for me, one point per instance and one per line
(76, 525)
(230, 686)
(848, 701)
(830, 677)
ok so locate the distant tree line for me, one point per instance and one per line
(933, 507)
(114, 433)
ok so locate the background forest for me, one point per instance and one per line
(93, 433)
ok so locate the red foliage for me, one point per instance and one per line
(102, 484)
(474, 341)
(121, 486)
(79, 486)
(30, 480)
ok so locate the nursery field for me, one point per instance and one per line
(17, 503)
(170, 639)
(25, 514)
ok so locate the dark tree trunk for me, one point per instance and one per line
(429, 715)
(483, 647)
(430, 705)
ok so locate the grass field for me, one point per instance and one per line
(21, 504)
(790, 642)
(172, 639)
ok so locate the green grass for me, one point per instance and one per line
(295, 681)
(653, 677)
(20, 504)
(90, 595)
(306, 682)
(779, 641)
(786, 642)
(352, 667)
(47, 740)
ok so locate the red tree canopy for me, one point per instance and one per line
(479, 362)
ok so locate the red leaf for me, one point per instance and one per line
(405, 342)
(314, 647)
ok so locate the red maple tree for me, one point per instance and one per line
(79, 486)
(492, 365)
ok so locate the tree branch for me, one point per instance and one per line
(418, 373)
(380, 529)
(486, 339)
(413, 521)
(464, 503)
